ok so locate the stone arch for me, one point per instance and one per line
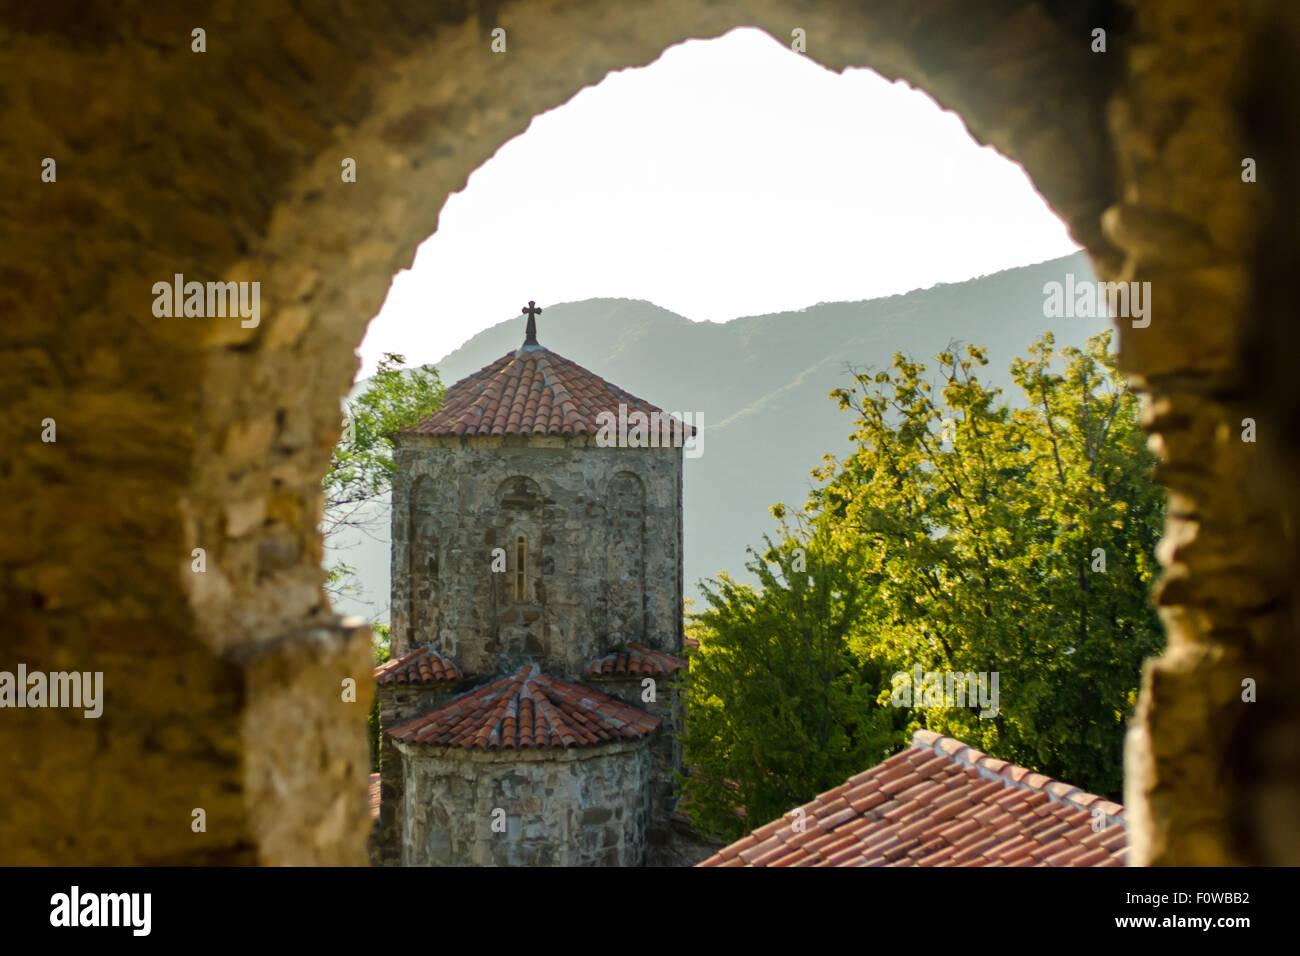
(214, 434)
(519, 493)
(520, 515)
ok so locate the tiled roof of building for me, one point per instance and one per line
(637, 659)
(527, 709)
(940, 803)
(423, 665)
(531, 391)
(374, 796)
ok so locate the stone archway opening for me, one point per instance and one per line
(605, 171)
(730, 177)
(214, 435)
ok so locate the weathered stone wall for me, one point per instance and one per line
(584, 806)
(202, 433)
(397, 702)
(665, 746)
(400, 701)
(1185, 224)
(1264, 753)
(684, 846)
(603, 527)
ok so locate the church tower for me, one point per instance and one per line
(529, 710)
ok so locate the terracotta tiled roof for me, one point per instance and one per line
(637, 659)
(531, 391)
(423, 665)
(527, 709)
(940, 803)
(374, 796)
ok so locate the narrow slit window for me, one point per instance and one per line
(521, 569)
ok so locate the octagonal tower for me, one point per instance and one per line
(522, 533)
(537, 560)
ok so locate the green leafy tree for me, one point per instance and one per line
(961, 535)
(383, 650)
(362, 468)
(779, 707)
(1012, 541)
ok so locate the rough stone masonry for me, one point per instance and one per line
(200, 433)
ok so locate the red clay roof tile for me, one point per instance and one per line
(423, 665)
(534, 391)
(1090, 857)
(1066, 857)
(555, 714)
(928, 806)
(637, 659)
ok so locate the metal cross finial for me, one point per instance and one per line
(530, 335)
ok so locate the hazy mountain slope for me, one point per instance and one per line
(761, 383)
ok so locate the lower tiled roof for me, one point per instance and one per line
(527, 709)
(423, 665)
(940, 803)
(374, 796)
(637, 659)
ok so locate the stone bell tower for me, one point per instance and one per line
(536, 553)
(516, 535)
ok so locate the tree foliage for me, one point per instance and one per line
(973, 537)
(1023, 544)
(383, 644)
(780, 708)
(362, 468)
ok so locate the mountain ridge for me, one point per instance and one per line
(762, 384)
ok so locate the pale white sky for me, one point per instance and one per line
(730, 177)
